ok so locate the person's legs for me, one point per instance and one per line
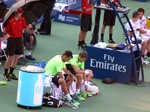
(69, 80)
(86, 21)
(110, 35)
(12, 67)
(143, 48)
(102, 33)
(77, 95)
(28, 55)
(82, 36)
(10, 49)
(148, 50)
(89, 76)
(60, 81)
(7, 65)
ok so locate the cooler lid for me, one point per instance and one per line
(32, 68)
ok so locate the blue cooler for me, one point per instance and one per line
(30, 86)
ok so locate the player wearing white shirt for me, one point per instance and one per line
(138, 31)
(142, 19)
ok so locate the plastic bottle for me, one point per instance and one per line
(19, 90)
(38, 91)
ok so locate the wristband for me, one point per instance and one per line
(85, 82)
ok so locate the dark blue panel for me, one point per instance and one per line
(109, 64)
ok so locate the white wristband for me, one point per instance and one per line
(85, 82)
(86, 72)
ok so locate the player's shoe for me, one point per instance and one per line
(6, 77)
(13, 76)
(111, 41)
(78, 97)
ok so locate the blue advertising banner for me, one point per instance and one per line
(107, 63)
(67, 18)
(73, 4)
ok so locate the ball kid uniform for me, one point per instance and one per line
(109, 17)
(86, 17)
(15, 28)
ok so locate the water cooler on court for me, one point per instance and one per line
(30, 86)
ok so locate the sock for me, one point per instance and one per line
(83, 42)
(110, 36)
(102, 37)
(143, 56)
(148, 54)
(68, 97)
(27, 53)
(79, 42)
(5, 71)
(20, 56)
(11, 70)
(77, 91)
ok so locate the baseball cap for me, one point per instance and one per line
(20, 10)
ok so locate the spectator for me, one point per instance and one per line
(86, 22)
(29, 43)
(45, 27)
(54, 67)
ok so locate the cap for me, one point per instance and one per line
(20, 10)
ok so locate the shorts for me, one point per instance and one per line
(109, 18)
(55, 81)
(14, 46)
(86, 22)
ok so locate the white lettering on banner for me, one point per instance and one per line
(69, 2)
(61, 17)
(109, 57)
(107, 64)
(71, 18)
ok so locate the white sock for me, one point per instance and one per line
(20, 56)
(27, 53)
(77, 91)
(68, 96)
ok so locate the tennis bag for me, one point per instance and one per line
(49, 100)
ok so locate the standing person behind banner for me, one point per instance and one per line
(109, 20)
(14, 28)
(86, 22)
(45, 27)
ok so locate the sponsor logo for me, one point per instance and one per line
(108, 63)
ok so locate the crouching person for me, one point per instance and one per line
(55, 67)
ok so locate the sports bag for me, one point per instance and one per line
(49, 100)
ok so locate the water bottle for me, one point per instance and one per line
(19, 90)
(38, 91)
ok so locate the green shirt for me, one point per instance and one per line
(54, 65)
(74, 61)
